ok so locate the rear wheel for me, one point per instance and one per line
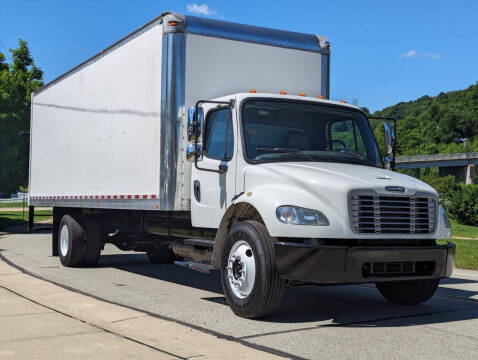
(249, 274)
(161, 255)
(94, 242)
(408, 292)
(70, 241)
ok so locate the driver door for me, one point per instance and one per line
(212, 192)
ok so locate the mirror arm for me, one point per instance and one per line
(230, 104)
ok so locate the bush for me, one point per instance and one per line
(459, 200)
(462, 204)
(444, 185)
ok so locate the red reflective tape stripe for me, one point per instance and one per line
(86, 197)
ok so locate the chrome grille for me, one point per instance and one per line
(386, 214)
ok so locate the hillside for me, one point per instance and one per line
(431, 125)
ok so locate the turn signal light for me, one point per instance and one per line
(301, 94)
(343, 101)
(283, 92)
(253, 91)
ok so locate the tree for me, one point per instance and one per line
(18, 80)
(431, 125)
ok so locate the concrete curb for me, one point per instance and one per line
(169, 337)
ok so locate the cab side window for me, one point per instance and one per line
(218, 136)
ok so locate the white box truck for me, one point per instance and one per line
(214, 145)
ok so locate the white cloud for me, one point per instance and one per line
(432, 56)
(414, 53)
(200, 9)
(409, 54)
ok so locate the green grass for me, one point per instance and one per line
(466, 253)
(14, 205)
(11, 218)
(463, 230)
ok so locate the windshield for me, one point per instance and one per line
(281, 130)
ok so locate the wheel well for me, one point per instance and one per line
(236, 213)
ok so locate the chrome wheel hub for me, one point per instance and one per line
(64, 240)
(241, 269)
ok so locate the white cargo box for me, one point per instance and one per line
(110, 133)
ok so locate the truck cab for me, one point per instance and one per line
(306, 175)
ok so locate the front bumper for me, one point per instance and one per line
(342, 264)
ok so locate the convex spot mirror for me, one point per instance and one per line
(195, 127)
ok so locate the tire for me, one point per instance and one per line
(249, 247)
(71, 237)
(161, 255)
(94, 242)
(408, 292)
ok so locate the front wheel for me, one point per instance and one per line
(408, 292)
(249, 274)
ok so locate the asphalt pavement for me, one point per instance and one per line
(314, 322)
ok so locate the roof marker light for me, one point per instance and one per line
(343, 101)
(301, 94)
(320, 97)
(283, 92)
(253, 91)
(173, 23)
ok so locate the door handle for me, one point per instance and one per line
(197, 190)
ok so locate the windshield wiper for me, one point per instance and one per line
(277, 149)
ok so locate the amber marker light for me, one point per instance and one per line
(301, 94)
(343, 101)
(320, 97)
(253, 91)
(283, 92)
(173, 23)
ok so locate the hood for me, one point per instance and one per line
(315, 177)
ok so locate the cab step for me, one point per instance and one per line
(202, 268)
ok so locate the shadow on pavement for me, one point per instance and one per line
(345, 305)
(360, 305)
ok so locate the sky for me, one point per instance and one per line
(382, 52)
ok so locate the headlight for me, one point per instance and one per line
(299, 216)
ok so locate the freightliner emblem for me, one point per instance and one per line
(395, 189)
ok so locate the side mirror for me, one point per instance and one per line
(389, 135)
(195, 126)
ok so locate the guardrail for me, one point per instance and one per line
(13, 201)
